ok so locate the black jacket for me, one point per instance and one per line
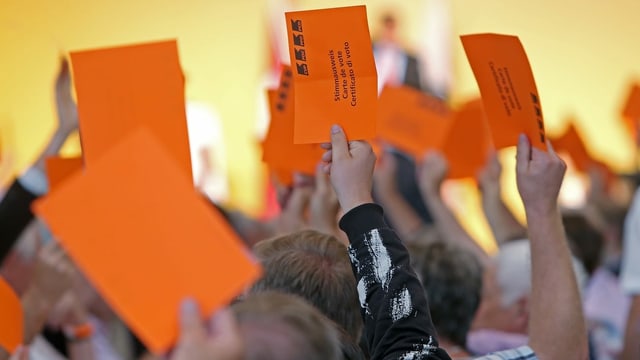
(393, 303)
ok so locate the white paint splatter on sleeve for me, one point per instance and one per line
(382, 267)
(354, 259)
(420, 351)
(401, 305)
(363, 287)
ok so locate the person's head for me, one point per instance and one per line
(389, 28)
(586, 241)
(316, 267)
(279, 326)
(506, 288)
(452, 278)
(506, 285)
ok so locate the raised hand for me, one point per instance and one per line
(384, 175)
(489, 176)
(539, 176)
(432, 172)
(292, 218)
(324, 206)
(66, 107)
(195, 343)
(350, 165)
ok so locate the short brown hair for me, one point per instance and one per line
(316, 267)
(281, 327)
(452, 278)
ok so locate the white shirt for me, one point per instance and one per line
(631, 256)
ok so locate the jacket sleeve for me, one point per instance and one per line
(15, 215)
(392, 301)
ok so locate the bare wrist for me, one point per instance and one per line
(352, 203)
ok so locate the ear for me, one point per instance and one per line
(522, 314)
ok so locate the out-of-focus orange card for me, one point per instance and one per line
(508, 89)
(412, 120)
(59, 169)
(571, 142)
(12, 318)
(631, 110)
(468, 142)
(146, 239)
(335, 73)
(279, 151)
(121, 88)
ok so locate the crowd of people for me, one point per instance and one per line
(349, 277)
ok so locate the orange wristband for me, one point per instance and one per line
(79, 332)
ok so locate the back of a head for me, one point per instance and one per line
(316, 267)
(585, 240)
(513, 271)
(452, 278)
(278, 326)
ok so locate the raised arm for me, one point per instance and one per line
(504, 225)
(15, 211)
(432, 173)
(557, 328)
(393, 303)
(401, 215)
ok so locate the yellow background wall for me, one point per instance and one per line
(583, 54)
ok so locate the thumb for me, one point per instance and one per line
(523, 153)
(339, 144)
(190, 323)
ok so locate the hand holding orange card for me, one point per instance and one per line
(412, 120)
(468, 143)
(145, 238)
(334, 72)
(279, 151)
(59, 169)
(121, 88)
(12, 318)
(509, 94)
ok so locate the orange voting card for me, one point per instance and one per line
(279, 151)
(508, 89)
(146, 239)
(631, 111)
(335, 74)
(468, 142)
(59, 169)
(571, 142)
(12, 318)
(412, 120)
(123, 87)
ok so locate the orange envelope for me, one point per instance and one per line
(146, 239)
(335, 73)
(571, 142)
(11, 331)
(631, 110)
(121, 88)
(468, 142)
(279, 151)
(509, 94)
(59, 169)
(412, 120)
